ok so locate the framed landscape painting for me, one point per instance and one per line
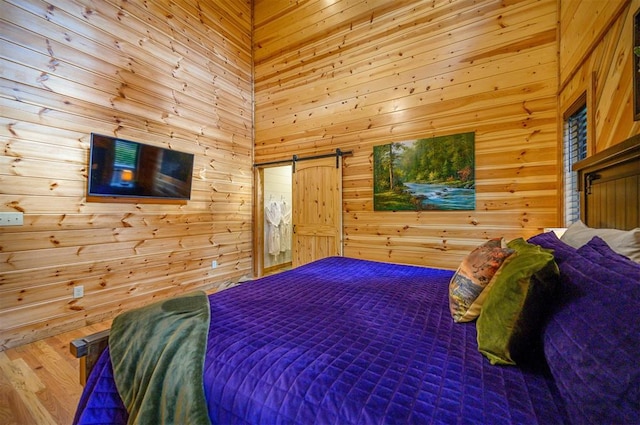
(436, 173)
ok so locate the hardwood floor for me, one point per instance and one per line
(39, 382)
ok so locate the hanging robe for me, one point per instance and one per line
(273, 215)
(285, 227)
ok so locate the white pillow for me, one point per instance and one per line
(625, 242)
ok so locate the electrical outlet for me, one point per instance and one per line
(214, 264)
(78, 291)
(11, 219)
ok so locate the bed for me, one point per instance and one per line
(349, 341)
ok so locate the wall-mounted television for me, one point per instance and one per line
(121, 170)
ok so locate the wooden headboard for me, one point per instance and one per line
(609, 185)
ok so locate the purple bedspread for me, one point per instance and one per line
(347, 341)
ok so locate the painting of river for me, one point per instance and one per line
(435, 173)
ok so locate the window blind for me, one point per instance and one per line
(575, 149)
(126, 154)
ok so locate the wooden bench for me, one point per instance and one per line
(88, 350)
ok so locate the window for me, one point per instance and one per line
(125, 162)
(575, 149)
(126, 154)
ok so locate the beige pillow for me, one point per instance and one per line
(625, 242)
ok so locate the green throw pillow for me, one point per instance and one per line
(514, 310)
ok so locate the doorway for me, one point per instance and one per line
(276, 223)
(297, 211)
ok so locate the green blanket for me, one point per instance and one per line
(157, 354)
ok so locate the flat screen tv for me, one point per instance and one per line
(121, 170)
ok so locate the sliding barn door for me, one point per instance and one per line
(317, 209)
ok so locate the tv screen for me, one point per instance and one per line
(124, 169)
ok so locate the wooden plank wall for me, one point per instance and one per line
(353, 74)
(596, 39)
(172, 73)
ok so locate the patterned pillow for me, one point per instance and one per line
(509, 326)
(473, 278)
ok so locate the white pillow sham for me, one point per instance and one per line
(625, 242)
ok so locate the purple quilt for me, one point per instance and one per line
(348, 341)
